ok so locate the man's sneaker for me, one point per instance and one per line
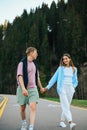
(24, 125)
(62, 124)
(31, 127)
(72, 126)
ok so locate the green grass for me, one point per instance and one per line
(79, 103)
(75, 102)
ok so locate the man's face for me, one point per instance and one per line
(34, 54)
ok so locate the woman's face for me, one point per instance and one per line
(66, 60)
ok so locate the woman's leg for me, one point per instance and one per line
(65, 105)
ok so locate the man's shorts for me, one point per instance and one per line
(33, 96)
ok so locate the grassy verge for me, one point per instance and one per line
(75, 102)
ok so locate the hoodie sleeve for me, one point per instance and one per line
(75, 79)
(53, 80)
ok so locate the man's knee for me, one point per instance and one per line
(23, 108)
(33, 106)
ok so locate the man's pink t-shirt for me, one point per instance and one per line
(31, 74)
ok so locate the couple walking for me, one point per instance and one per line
(28, 78)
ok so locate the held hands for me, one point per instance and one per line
(42, 90)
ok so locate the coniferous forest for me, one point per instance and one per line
(53, 30)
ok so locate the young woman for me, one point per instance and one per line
(66, 78)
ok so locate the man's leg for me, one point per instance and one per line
(32, 115)
(23, 117)
(22, 111)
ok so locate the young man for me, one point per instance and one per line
(27, 93)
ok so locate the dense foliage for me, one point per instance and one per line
(53, 31)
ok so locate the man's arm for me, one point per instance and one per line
(39, 83)
(24, 91)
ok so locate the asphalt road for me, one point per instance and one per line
(47, 117)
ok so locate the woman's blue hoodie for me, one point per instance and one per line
(59, 76)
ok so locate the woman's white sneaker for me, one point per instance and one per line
(72, 126)
(62, 124)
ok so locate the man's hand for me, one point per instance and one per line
(25, 92)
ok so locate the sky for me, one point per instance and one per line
(9, 9)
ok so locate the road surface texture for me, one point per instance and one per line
(47, 117)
